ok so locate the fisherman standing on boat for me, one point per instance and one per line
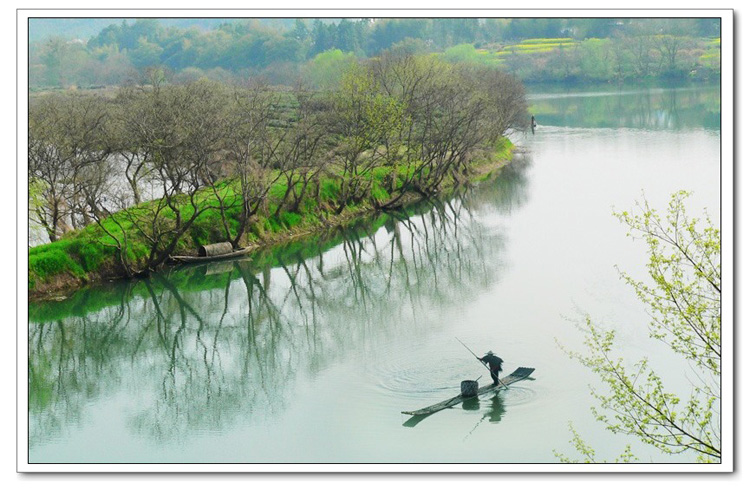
(495, 364)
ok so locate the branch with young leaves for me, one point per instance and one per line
(683, 298)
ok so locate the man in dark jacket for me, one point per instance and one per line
(495, 364)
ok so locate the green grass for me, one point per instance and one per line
(329, 189)
(51, 262)
(290, 219)
(73, 256)
(503, 150)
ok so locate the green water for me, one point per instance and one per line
(309, 353)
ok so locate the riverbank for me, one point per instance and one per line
(88, 256)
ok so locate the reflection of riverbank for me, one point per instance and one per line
(639, 108)
(199, 347)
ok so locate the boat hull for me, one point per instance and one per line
(514, 377)
(190, 259)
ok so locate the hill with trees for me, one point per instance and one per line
(284, 50)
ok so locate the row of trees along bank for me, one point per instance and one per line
(121, 182)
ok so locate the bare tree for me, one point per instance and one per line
(128, 112)
(640, 48)
(670, 47)
(250, 148)
(181, 130)
(450, 113)
(299, 155)
(49, 167)
(68, 156)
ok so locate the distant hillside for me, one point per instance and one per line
(85, 28)
(95, 52)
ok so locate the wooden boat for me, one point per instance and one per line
(191, 259)
(517, 375)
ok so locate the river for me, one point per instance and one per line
(309, 353)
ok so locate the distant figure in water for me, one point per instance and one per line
(495, 364)
(533, 124)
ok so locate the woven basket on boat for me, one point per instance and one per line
(469, 388)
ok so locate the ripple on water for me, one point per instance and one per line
(518, 395)
(417, 379)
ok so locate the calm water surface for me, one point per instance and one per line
(309, 353)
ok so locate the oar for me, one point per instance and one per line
(480, 362)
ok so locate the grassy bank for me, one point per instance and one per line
(90, 255)
(194, 277)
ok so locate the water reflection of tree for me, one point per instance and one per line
(671, 108)
(70, 363)
(507, 193)
(239, 347)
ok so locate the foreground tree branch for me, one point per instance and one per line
(684, 301)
